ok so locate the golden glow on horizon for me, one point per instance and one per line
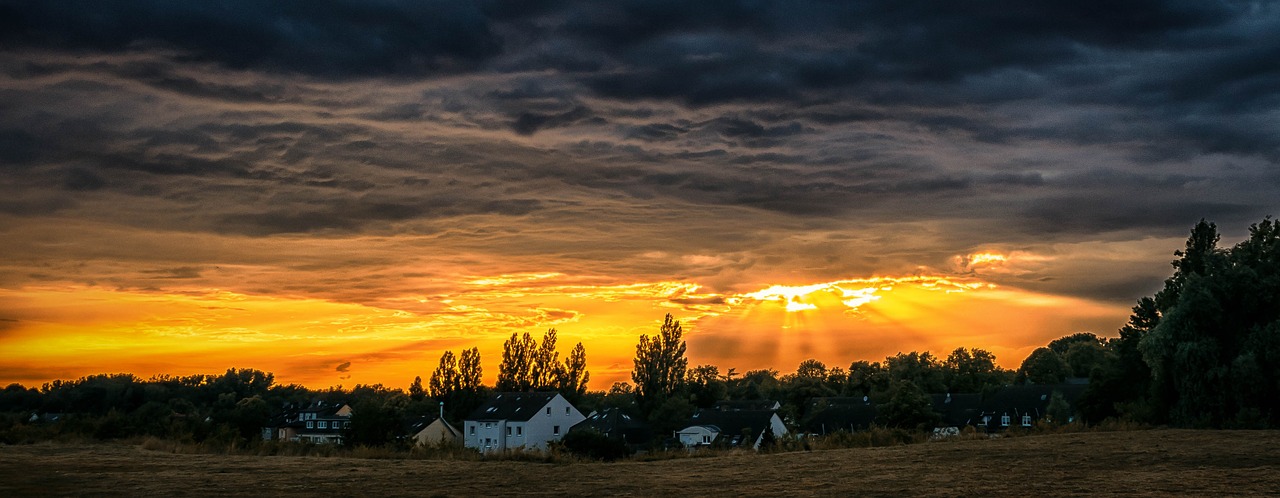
(67, 332)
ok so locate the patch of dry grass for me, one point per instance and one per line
(1153, 463)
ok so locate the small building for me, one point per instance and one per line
(957, 410)
(1024, 405)
(319, 422)
(741, 428)
(834, 414)
(514, 420)
(431, 430)
(616, 423)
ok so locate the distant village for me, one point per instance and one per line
(532, 421)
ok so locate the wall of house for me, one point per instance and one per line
(551, 423)
(697, 435)
(435, 433)
(485, 435)
(775, 424)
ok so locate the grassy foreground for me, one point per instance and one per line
(1155, 463)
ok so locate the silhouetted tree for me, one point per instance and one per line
(1212, 354)
(547, 370)
(515, 373)
(416, 392)
(574, 375)
(705, 385)
(908, 407)
(660, 365)
(445, 380)
(1043, 366)
(865, 378)
(973, 370)
(922, 369)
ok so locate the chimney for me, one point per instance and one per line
(441, 410)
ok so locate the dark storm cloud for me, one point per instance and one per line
(356, 214)
(1002, 122)
(338, 38)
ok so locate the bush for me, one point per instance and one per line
(594, 445)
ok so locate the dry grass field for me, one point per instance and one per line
(1154, 463)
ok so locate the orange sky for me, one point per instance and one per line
(67, 331)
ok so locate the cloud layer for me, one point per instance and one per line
(373, 152)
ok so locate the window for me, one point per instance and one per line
(1004, 420)
(311, 425)
(566, 410)
(1026, 420)
(548, 410)
(555, 430)
(706, 439)
(508, 430)
(346, 425)
(472, 429)
(324, 425)
(519, 430)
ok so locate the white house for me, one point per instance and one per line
(519, 420)
(731, 428)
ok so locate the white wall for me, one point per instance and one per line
(696, 435)
(541, 427)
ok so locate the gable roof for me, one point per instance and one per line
(323, 409)
(839, 414)
(512, 406)
(1030, 399)
(415, 425)
(616, 423)
(733, 424)
(957, 409)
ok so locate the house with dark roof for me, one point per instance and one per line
(320, 422)
(957, 410)
(519, 420)
(1024, 405)
(830, 414)
(740, 428)
(616, 423)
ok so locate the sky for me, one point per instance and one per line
(337, 192)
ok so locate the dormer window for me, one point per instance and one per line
(1004, 420)
(1026, 420)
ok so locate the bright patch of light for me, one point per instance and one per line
(794, 306)
(986, 258)
(855, 298)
